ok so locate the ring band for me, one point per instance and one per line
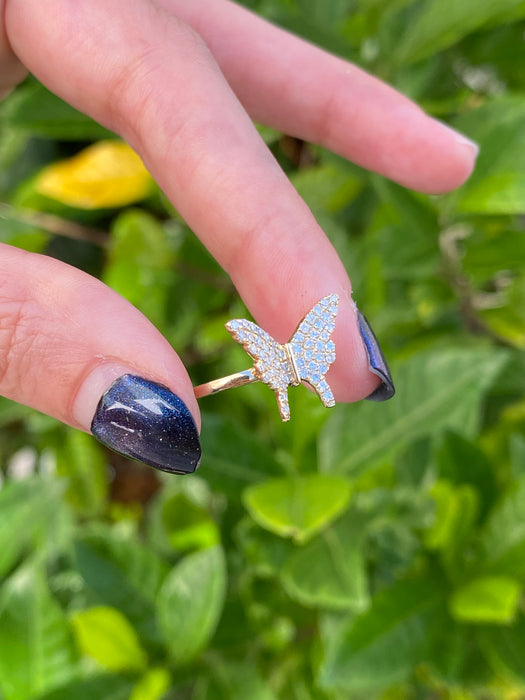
(230, 382)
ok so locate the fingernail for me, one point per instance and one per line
(376, 361)
(460, 138)
(146, 421)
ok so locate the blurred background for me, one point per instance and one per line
(373, 551)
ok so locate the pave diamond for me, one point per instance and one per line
(311, 350)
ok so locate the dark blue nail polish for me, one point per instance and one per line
(146, 421)
(376, 362)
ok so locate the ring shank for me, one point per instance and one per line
(230, 382)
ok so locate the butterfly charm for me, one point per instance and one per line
(305, 358)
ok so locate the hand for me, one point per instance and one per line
(181, 81)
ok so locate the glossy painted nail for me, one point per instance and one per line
(376, 361)
(146, 421)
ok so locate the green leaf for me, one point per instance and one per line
(34, 109)
(413, 464)
(503, 538)
(460, 461)
(396, 518)
(383, 645)
(486, 252)
(264, 551)
(324, 13)
(33, 516)
(232, 457)
(497, 193)
(140, 265)
(492, 599)
(436, 390)
(300, 434)
(511, 383)
(517, 456)
(505, 649)
(187, 525)
(297, 507)
(123, 574)
(458, 660)
(508, 320)
(233, 681)
(83, 462)
(498, 182)
(103, 687)
(326, 187)
(104, 634)
(436, 24)
(403, 213)
(190, 602)
(456, 514)
(152, 686)
(19, 232)
(234, 629)
(36, 649)
(329, 571)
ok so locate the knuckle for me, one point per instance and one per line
(250, 242)
(134, 88)
(129, 94)
(327, 114)
(19, 321)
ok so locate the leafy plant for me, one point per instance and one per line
(369, 552)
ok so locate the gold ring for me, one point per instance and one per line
(305, 358)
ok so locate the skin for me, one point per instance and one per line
(181, 82)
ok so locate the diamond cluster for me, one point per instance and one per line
(311, 349)
(271, 361)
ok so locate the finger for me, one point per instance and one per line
(284, 82)
(11, 70)
(150, 78)
(66, 340)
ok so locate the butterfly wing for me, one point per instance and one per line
(271, 363)
(313, 349)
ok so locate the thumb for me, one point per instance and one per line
(74, 349)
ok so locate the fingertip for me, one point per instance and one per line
(351, 376)
(460, 153)
(139, 418)
(460, 139)
(102, 374)
(377, 363)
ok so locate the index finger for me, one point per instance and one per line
(285, 82)
(150, 78)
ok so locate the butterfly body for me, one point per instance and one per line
(306, 357)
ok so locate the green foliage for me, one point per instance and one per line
(440, 390)
(32, 518)
(338, 578)
(104, 634)
(297, 507)
(487, 599)
(498, 185)
(190, 602)
(381, 646)
(38, 112)
(36, 648)
(371, 552)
